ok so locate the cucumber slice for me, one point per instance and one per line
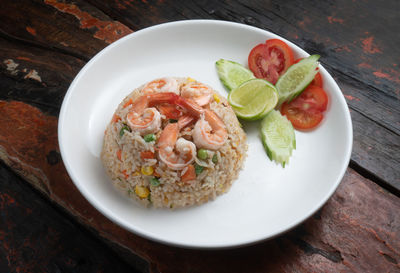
(232, 74)
(296, 78)
(278, 137)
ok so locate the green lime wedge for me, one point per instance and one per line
(278, 137)
(296, 78)
(232, 74)
(253, 98)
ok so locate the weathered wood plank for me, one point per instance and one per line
(34, 75)
(73, 27)
(350, 233)
(37, 238)
(376, 149)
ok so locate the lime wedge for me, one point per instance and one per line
(278, 137)
(255, 98)
(296, 78)
(232, 74)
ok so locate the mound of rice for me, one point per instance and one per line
(133, 175)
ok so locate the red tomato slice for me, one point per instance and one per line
(317, 79)
(305, 111)
(270, 60)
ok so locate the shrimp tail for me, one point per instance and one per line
(185, 121)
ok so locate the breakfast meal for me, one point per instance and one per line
(174, 142)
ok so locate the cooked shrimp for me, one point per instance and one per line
(210, 131)
(198, 92)
(142, 119)
(176, 153)
(162, 85)
(146, 119)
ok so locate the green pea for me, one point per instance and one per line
(149, 137)
(215, 159)
(198, 169)
(202, 154)
(123, 129)
(154, 182)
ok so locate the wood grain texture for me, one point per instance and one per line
(362, 55)
(72, 27)
(350, 233)
(34, 75)
(36, 238)
(43, 44)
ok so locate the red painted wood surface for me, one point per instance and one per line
(45, 43)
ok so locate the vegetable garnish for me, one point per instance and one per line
(189, 173)
(306, 111)
(297, 78)
(202, 154)
(301, 98)
(123, 129)
(232, 74)
(278, 137)
(147, 155)
(147, 170)
(119, 155)
(141, 191)
(253, 99)
(214, 159)
(149, 137)
(317, 79)
(198, 169)
(270, 60)
(154, 182)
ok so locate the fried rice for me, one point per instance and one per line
(149, 180)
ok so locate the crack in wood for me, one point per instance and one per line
(334, 256)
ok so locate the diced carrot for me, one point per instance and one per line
(116, 118)
(119, 152)
(129, 102)
(125, 174)
(190, 174)
(147, 155)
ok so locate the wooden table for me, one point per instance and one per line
(50, 227)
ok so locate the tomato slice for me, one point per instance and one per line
(270, 60)
(317, 79)
(306, 111)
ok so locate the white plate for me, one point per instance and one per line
(265, 201)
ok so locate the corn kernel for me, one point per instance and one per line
(189, 79)
(136, 173)
(216, 98)
(141, 191)
(147, 170)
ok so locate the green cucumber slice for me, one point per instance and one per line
(278, 137)
(296, 78)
